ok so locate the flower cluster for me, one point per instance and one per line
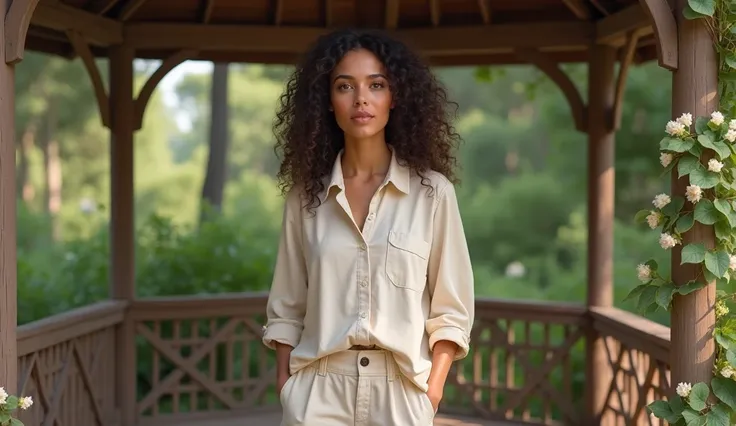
(8, 404)
(703, 150)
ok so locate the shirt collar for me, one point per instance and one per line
(398, 175)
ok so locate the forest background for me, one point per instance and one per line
(210, 224)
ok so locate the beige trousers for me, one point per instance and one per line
(355, 388)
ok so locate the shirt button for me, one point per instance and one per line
(362, 246)
(363, 315)
(363, 283)
(364, 361)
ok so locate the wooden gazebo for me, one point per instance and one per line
(84, 367)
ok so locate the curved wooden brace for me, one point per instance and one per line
(577, 106)
(665, 31)
(145, 94)
(82, 49)
(626, 59)
(17, 21)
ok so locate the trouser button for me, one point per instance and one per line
(364, 361)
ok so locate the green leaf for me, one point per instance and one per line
(636, 291)
(698, 396)
(718, 146)
(690, 287)
(664, 295)
(725, 390)
(705, 212)
(675, 144)
(673, 208)
(717, 416)
(12, 401)
(677, 407)
(704, 7)
(722, 206)
(647, 298)
(684, 223)
(693, 253)
(16, 422)
(641, 216)
(652, 264)
(723, 229)
(693, 418)
(701, 124)
(704, 178)
(4, 417)
(717, 262)
(662, 410)
(731, 60)
(690, 14)
(687, 164)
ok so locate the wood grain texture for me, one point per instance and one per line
(694, 90)
(8, 271)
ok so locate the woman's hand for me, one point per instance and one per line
(435, 396)
(443, 353)
(283, 354)
(281, 379)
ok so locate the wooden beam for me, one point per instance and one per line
(207, 6)
(16, 28)
(614, 29)
(435, 12)
(665, 31)
(485, 10)
(130, 8)
(432, 41)
(85, 54)
(579, 8)
(392, 14)
(97, 30)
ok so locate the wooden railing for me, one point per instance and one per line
(637, 351)
(202, 357)
(66, 363)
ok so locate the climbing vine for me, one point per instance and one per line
(710, 199)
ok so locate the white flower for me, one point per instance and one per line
(721, 311)
(732, 124)
(683, 389)
(25, 402)
(644, 273)
(3, 396)
(653, 219)
(732, 262)
(731, 135)
(661, 200)
(665, 158)
(727, 371)
(693, 193)
(716, 118)
(675, 128)
(714, 165)
(686, 119)
(667, 241)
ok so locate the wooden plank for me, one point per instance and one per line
(614, 29)
(437, 41)
(97, 30)
(8, 261)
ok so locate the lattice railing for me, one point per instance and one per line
(523, 364)
(67, 364)
(637, 354)
(199, 356)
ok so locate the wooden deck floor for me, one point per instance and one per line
(274, 419)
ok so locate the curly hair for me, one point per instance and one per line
(419, 127)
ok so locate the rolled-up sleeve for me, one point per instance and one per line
(288, 295)
(450, 277)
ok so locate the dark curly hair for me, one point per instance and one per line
(419, 127)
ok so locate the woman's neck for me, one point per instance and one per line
(366, 157)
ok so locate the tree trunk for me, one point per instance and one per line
(214, 181)
(52, 170)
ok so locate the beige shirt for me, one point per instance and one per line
(403, 283)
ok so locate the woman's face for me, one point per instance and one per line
(360, 95)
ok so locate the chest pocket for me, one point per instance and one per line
(406, 260)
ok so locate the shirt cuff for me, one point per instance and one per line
(453, 334)
(281, 332)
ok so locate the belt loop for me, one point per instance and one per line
(322, 370)
(389, 366)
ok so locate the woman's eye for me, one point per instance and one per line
(377, 85)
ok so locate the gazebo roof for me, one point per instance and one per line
(447, 32)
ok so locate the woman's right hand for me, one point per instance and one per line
(283, 354)
(281, 379)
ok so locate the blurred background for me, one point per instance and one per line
(199, 230)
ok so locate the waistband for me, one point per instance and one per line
(375, 363)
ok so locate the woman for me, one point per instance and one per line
(372, 296)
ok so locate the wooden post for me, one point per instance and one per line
(694, 90)
(601, 99)
(122, 226)
(8, 268)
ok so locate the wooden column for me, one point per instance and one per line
(694, 90)
(8, 268)
(601, 98)
(122, 226)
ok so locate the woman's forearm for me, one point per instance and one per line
(443, 354)
(283, 354)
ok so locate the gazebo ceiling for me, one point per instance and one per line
(447, 32)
